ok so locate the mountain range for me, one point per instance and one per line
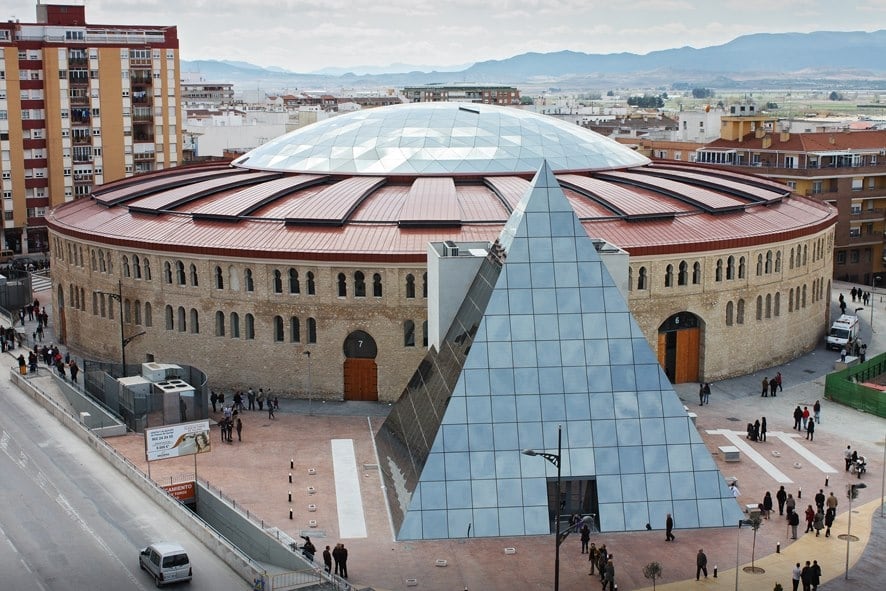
(822, 58)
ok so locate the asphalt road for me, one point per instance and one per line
(69, 521)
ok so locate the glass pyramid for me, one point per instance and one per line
(544, 341)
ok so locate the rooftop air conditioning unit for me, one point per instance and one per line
(450, 249)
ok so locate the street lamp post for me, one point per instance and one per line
(310, 393)
(741, 522)
(124, 340)
(852, 493)
(555, 460)
(875, 279)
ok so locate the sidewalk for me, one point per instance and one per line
(255, 472)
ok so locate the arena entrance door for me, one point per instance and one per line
(679, 339)
(361, 372)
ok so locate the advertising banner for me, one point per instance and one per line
(182, 492)
(173, 441)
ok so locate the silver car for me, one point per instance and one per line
(166, 563)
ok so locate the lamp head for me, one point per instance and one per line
(529, 452)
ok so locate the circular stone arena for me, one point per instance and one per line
(301, 266)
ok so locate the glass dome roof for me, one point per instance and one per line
(440, 138)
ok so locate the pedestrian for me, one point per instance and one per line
(270, 410)
(239, 429)
(585, 537)
(810, 517)
(806, 577)
(601, 561)
(781, 496)
(707, 392)
(798, 417)
(276, 403)
(853, 292)
(773, 386)
(260, 399)
(343, 557)
(701, 564)
(308, 549)
(818, 522)
(757, 430)
(75, 369)
(810, 431)
(765, 392)
(223, 427)
(790, 504)
(829, 517)
(250, 398)
(327, 557)
(778, 381)
(767, 504)
(815, 575)
(593, 557)
(669, 528)
(213, 398)
(701, 394)
(793, 521)
(609, 576)
(847, 457)
(336, 558)
(832, 502)
(805, 416)
(819, 500)
(733, 488)
(816, 409)
(795, 576)
(763, 429)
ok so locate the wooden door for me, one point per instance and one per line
(361, 379)
(686, 369)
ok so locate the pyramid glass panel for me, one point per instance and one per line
(544, 355)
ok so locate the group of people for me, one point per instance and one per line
(819, 518)
(809, 575)
(757, 430)
(34, 311)
(601, 560)
(859, 294)
(704, 393)
(338, 556)
(252, 399)
(52, 357)
(806, 421)
(770, 386)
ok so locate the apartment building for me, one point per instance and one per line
(80, 105)
(488, 94)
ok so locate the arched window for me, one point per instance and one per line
(376, 285)
(110, 263)
(312, 330)
(170, 320)
(180, 272)
(759, 265)
(110, 307)
(233, 279)
(791, 300)
(136, 267)
(696, 273)
(718, 273)
(294, 287)
(92, 261)
(294, 330)
(410, 286)
(729, 312)
(82, 299)
(759, 307)
(742, 271)
(768, 262)
(278, 329)
(195, 321)
(409, 333)
(797, 300)
(359, 285)
(312, 288)
(149, 317)
(125, 264)
(730, 268)
(630, 278)
(278, 285)
(424, 285)
(219, 278)
(249, 327)
(777, 303)
(182, 320)
(127, 311)
(101, 262)
(669, 276)
(235, 325)
(739, 314)
(167, 272)
(791, 260)
(342, 285)
(805, 252)
(250, 282)
(641, 278)
(799, 254)
(194, 279)
(768, 305)
(137, 309)
(424, 333)
(778, 262)
(682, 273)
(147, 265)
(804, 296)
(219, 324)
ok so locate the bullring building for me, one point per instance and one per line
(302, 266)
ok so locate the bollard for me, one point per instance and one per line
(778, 548)
(290, 478)
(715, 571)
(290, 496)
(799, 493)
(290, 514)
(291, 464)
(826, 480)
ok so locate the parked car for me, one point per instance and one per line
(166, 562)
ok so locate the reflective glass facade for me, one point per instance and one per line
(544, 339)
(440, 138)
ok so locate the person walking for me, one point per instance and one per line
(781, 496)
(765, 392)
(819, 500)
(816, 411)
(793, 521)
(815, 575)
(213, 398)
(763, 428)
(829, 517)
(798, 417)
(767, 504)
(795, 576)
(806, 415)
(818, 522)
(609, 575)
(701, 394)
(593, 557)
(239, 429)
(778, 382)
(270, 410)
(343, 558)
(847, 457)
(806, 577)
(669, 528)
(707, 392)
(585, 537)
(773, 386)
(336, 558)
(810, 517)
(810, 430)
(327, 557)
(701, 564)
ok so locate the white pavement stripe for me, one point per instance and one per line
(736, 438)
(788, 439)
(351, 520)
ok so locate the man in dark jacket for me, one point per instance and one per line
(701, 564)
(327, 557)
(781, 496)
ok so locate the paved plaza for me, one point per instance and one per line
(330, 447)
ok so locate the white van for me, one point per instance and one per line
(166, 563)
(844, 329)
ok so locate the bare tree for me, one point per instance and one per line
(652, 571)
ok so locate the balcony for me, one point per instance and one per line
(868, 215)
(864, 240)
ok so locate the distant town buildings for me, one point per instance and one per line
(80, 105)
(488, 94)
(207, 93)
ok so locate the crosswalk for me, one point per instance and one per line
(40, 281)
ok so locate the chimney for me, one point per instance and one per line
(784, 136)
(759, 132)
(767, 142)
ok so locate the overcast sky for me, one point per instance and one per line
(309, 35)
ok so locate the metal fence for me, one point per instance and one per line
(847, 386)
(16, 292)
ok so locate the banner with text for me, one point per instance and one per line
(172, 441)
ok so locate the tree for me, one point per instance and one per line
(652, 571)
(610, 93)
(755, 520)
(835, 96)
(701, 93)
